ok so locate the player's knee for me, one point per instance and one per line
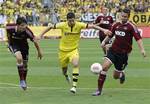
(75, 64)
(19, 60)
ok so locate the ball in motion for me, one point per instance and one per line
(96, 68)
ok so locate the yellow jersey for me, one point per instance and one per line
(70, 36)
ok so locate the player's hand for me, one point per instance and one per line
(38, 37)
(107, 32)
(40, 55)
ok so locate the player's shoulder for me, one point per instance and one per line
(130, 23)
(116, 23)
(60, 25)
(11, 26)
(132, 26)
(99, 17)
(109, 16)
(79, 23)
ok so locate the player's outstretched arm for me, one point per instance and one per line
(106, 31)
(52, 37)
(46, 30)
(141, 47)
(38, 48)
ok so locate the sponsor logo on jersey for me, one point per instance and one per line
(120, 33)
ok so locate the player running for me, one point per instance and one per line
(17, 35)
(68, 47)
(105, 21)
(124, 32)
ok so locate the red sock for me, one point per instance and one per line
(101, 81)
(25, 74)
(21, 72)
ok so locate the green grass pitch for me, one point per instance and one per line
(48, 86)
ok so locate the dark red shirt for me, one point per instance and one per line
(124, 34)
(106, 24)
(18, 38)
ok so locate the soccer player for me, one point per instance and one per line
(105, 21)
(17, 35)
(69, 42)
(124, 32)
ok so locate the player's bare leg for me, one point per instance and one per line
(65, 73)
(75, 74)
(102, 76)
(119, 75)
(21, 70)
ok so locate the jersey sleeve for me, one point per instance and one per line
(30, 34)
(83, 25)
(97, 20)
(59, 25)
(135, 32)
(111, 20)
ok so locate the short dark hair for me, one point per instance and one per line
(70, 15)
(21, 20)
(126, 10)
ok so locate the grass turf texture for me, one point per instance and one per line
(48, 86)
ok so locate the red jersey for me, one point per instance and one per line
(18, 38)
(124, 34)
(106, 24)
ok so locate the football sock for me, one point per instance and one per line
(75, 79)
(101, 80)
(25, 74)
(75, 76)
(21, 71)
(121, 74)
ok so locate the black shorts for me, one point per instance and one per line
(24, 51)
(120, 60)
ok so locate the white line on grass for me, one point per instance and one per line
(9, 84)
(15, 86)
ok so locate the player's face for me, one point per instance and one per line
(71, 22)
(22, 27)
(124, 17)
(105, 11)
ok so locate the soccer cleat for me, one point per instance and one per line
(97, 93)
(68, 79)
(122, 79)
(23, 84)
(73, 90)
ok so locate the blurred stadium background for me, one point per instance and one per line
(46, 83)
(42, 13)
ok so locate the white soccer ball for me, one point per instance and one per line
(96, 68)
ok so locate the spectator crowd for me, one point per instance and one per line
(43, 12)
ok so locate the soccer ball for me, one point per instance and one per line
(96, 68)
